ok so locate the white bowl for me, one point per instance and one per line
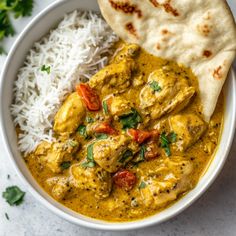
(33, 32)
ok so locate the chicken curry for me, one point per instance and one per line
(129, 142)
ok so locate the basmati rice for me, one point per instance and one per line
(73, 52)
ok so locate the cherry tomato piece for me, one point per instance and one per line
(105, 128)
(139, 136)
(89, 96)
(124, 179)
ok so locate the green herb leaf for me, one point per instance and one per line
(142, 152)
(65, 165)
(141, 156)
(13, 195)
(7, 217)
(90, 152)
(172, 137)
(90, 160)
(130, 120)
(126, 155)
(23, 8)
(73, 143)
(8, 4)
(155, 86)
(105, 107)
(46, 69)
(82, 131)
(165, 143)
(101, 136)
(88, 164)
(142, 185)
(19, 8)
(6, 28)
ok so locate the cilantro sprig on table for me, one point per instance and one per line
(19, 8)
(13, 195)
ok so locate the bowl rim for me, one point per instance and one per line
(112, 226)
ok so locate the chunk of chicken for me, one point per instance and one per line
(95, 179)
(164, 93)
(55, 154)
(115, 78)
(166, 183)
(114, 152)
(127, 51)
(70, 115)
(119, 106)
(188, 127)
(60, 186)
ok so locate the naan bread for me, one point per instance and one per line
(200, 34)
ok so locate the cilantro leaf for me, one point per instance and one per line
(155, 86)
(101, 136)
(90, 152)
(13, 195)
(65, 165)
(88, 164)
(19, 8)
(130, 120)
(23, 8)
(82, 131)
(172, 137)
(7, 217)
(165, 143)
(142, 185)
(141, 156)
(45, 68)
(105, 107)
(6, 28)
(90, 160)
(127, 154)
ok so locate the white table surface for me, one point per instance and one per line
(213, 214)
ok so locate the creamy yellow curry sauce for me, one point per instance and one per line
(130, 142)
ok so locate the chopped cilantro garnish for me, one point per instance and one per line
(82, 131)
(13, 195)
(65, 165)
(101, 136)
(165, 143)
(90, 160)
(130, 120)
(127, 154)
(155, 86)
(172, 137)
(142, 152)
(46, 69)
(7, 217)
(141, 156)
(142, 185)
(166, 140)
(88, 164)
(105, 107)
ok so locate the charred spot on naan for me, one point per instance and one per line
(207, 53)
(131, 29)
(217, 73)
(167, 7)
(126, 7)
(204, 29)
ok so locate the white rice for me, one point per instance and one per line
(75, 51)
